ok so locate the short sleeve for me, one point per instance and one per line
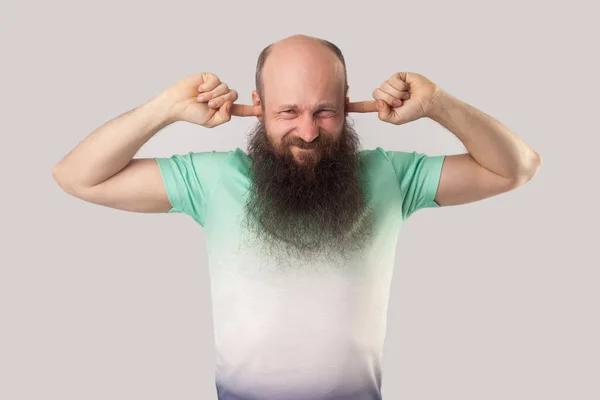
(418, 175)
(189, 180)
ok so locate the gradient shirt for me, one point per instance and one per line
(305, 332)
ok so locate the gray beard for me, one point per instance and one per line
(315, 209)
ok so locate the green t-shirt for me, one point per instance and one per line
(307, 333)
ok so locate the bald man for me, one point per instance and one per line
(301, 228)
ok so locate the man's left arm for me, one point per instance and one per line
(497, 160)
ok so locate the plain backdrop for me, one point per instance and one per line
(496, 299)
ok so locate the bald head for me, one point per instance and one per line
(304, 57)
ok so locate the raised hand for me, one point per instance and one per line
(204, 100)
(405, 97)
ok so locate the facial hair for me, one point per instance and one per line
(313, 207)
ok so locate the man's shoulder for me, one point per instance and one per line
(371, 152)
(220, 157)
(210, 164)
(373, 157)
(389, 157)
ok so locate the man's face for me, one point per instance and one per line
(303, 104)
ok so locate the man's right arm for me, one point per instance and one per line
(101, 169)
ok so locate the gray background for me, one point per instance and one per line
(491, 300)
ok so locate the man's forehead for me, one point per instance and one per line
(302, 70)
(302, 92)
(303, 80)
(316, 80)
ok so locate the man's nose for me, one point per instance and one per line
(308, 129)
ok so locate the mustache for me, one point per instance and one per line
(304, 145)
(323, 140)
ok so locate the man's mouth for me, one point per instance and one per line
(311, 146)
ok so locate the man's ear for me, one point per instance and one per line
(257, 103)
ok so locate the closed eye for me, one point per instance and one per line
(326, 112)
(320, 112)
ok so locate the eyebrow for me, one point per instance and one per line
(295, 106)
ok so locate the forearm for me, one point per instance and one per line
(487, 140)
(110, 147)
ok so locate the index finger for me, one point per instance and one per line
(242, 110)
(362, 106)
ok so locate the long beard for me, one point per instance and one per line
(314, 207)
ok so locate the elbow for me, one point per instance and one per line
(60, 177)
(528, 170)
(56, 174)
(535, 164)
(55, 170)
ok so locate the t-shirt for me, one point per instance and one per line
(305, 333)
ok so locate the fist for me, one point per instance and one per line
(404, 97)
(201, 99)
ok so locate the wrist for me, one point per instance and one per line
(163, 105)
(438, 105)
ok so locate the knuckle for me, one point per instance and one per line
(219, 89)
(209, 76)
